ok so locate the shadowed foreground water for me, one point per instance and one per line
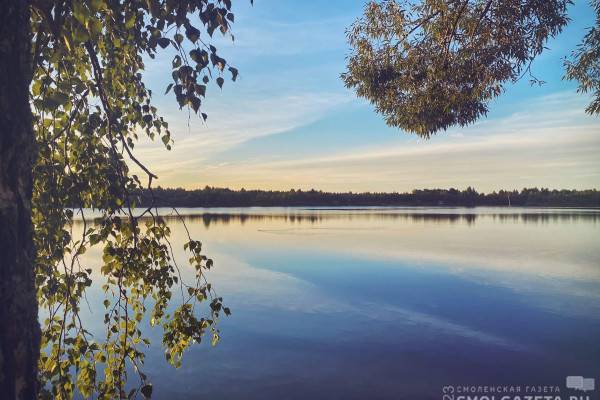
(390, 303)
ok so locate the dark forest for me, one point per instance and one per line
(220, 197)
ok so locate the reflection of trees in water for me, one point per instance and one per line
(440, 218)
(469, 219)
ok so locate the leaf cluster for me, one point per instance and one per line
(432, 64)
(584, 65)
(90, 106)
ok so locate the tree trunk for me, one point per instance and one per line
(19, 327)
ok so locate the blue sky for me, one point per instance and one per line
(288, 122)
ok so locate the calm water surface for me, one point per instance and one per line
(378, 303)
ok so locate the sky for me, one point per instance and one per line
(289, 122)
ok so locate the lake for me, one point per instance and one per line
(390, 303)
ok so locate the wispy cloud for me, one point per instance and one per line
(280, 88)
(538, 145)
(256, 117)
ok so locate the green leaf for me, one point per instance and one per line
(234, 73)
(195, 103)
(147, 390)
(60, 98)
(80, 12)
(130, 23)
(94, 26)
(54, 100)
(196, 55)
(176, 61)
(192, 33)
(97, 5)
(163, 42)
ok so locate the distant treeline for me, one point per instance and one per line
(218, 197)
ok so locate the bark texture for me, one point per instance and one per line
(19, 327)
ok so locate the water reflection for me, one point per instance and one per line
(216, 218)
(391, 303)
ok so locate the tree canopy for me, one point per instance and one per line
(431, 64)
(90, 106)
